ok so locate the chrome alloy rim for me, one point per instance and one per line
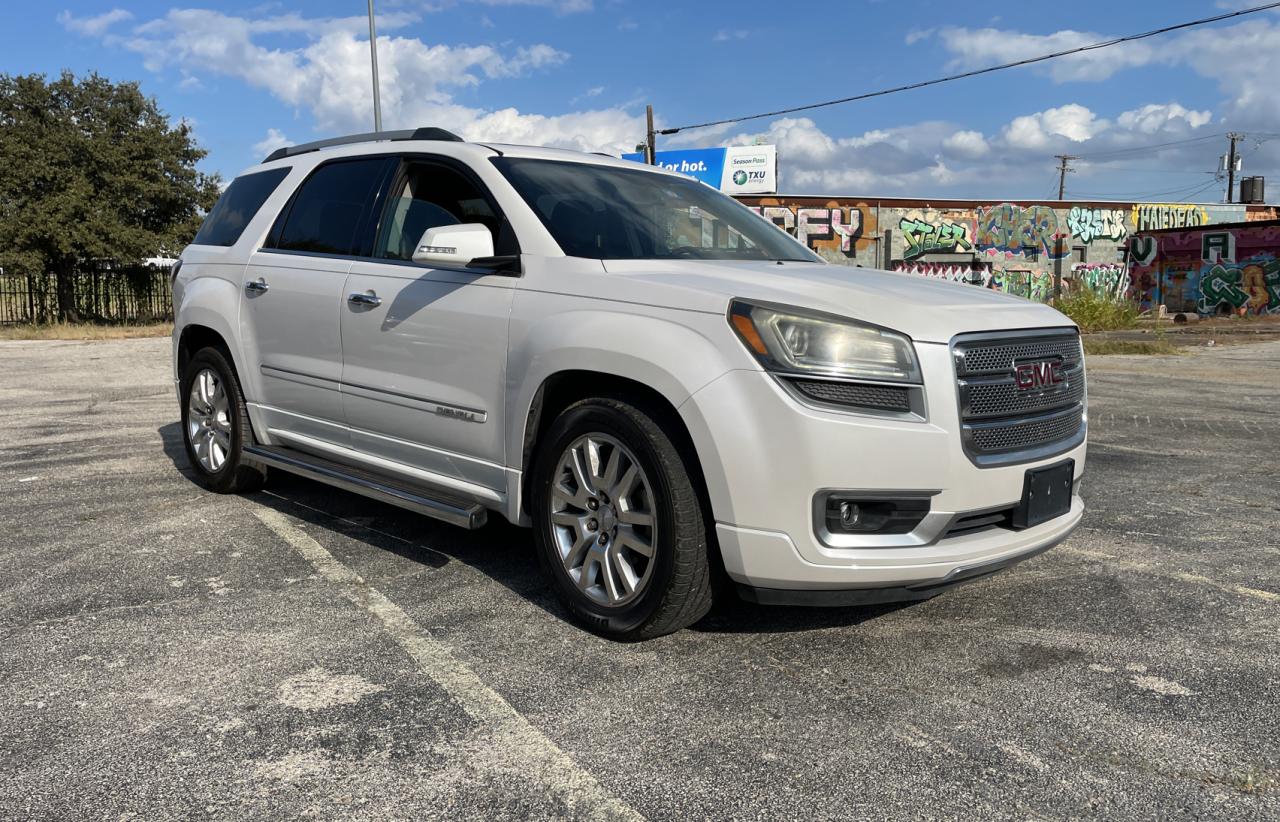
(602, 520)
(209, 420)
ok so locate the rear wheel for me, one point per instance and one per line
(619, 524)
(215, 425)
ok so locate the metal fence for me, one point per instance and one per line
(107, 294)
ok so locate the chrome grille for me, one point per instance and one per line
(1002, 399)
(993, 357)
(1001, 423)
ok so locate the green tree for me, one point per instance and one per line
(92, 170)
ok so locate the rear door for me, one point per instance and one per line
(424, 349)
(293, 298)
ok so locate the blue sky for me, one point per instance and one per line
(577, 73)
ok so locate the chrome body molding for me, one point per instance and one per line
(440, 409)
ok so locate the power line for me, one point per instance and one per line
(976, 72)
(1132, 170)
(1185, 191)
(1135, 149)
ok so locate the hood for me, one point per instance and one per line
(923, 308)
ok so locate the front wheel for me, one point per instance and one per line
(619, 523)
(215, 425)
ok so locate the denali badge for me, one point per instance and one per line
(1041, 374)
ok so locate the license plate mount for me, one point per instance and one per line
(1046, 493)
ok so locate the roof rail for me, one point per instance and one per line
(426, 133)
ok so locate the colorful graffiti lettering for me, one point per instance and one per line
(1218, 246)
(1104, 279)
(1034, 285)
(1147, 216)
(1142, 250)
(1018, 231)
(923, 237)
(1253, 286)
(943, 271)
(811, 226)
(1089, 224)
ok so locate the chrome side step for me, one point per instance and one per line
(470, 515)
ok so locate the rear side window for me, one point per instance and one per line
(237, 205)
(330, 208)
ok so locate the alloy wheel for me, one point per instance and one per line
(603, 520)
(209, 420)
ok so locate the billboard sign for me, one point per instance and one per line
(733, 170)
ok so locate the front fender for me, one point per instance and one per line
(673, 352)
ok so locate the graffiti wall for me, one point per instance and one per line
(1227, 269)
(834, 230)
(1018, 247)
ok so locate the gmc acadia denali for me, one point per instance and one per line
(665, 386)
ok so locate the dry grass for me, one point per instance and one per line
(1102, 347)
(83, 331)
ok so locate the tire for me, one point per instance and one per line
(215, 425)
(670, 588)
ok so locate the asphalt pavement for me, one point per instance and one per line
(167, 653)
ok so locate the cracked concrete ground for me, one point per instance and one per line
(166, 653)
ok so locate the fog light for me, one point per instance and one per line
(864, 515)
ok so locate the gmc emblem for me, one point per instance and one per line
(1042, 374)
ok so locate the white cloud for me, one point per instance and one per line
(969, 144)
(977, 48)
(1245, 61)
(1155, 117)
(96, 25)
(724, 35)
(594, 91)
(1040, 130)
(327, 75)
(275, 139)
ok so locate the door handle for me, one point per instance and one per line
(258, 286)
(367, 298)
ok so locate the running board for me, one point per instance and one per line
(470, 515)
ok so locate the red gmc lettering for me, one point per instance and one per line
(1038, 374)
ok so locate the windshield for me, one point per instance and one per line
(610, 213)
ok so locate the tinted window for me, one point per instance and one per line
(237, 205)
(607, 212)
(328, 210)
(431, 196)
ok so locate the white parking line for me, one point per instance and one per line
(561, 777)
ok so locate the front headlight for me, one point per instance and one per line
(800, 342)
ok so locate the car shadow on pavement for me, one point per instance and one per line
(500, 550)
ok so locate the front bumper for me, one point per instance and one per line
(765, 455)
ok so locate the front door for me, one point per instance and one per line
(292, 303)
(425, 349)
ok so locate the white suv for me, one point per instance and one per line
(668, 388)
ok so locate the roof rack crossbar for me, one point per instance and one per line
(428, 133)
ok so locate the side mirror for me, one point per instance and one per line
(454, 245)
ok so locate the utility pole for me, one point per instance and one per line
(373, 56)
(651, 137)
(1063, 168)
(1231, 166)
